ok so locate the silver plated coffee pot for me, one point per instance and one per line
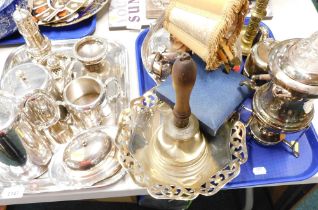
(23, 156)
(285, 104)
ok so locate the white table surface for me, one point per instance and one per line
(292, 19)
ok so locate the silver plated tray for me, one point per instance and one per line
(137, 127)
(117, 59)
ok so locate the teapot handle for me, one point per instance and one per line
(251, 84)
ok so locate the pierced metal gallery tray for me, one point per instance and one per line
(138, 125)
(117, 59)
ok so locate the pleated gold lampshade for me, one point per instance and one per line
(209, 28)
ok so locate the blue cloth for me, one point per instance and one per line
(78, 30)
(215, 95)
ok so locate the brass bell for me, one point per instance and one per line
(164, 150)
(180, 152)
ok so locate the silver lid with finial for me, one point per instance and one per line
(294, 65)
(25, 78)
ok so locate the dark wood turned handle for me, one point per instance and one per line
(184, 74)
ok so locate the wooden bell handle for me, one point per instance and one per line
(184, 74)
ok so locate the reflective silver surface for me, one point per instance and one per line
(285, 104)
(38, 45)
(117, 91)
(46, 115)
(117, 58)
(293, 65)
(23, 154)
(23, 79)
(93, 53)
(85, 97)
(257, 61)
(60, 67)
(284, 112)
(90, 50)
(300, 61)
(87, 151)
(159, 50)
(88, 159)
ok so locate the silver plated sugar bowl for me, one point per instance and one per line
(88, 159)
(23, 79)
(285, 104)
(23, 154)
(92, 51)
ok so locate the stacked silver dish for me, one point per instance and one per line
(89, 158)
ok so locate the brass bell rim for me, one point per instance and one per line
(165, 164)
(173, 163)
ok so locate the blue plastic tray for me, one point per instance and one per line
(75, 31)
(280, 165)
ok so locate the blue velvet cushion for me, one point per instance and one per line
(214, 98)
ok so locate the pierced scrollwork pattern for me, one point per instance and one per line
(237, 147)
